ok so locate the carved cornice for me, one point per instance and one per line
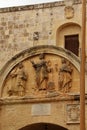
(26, 100)
(36, 6)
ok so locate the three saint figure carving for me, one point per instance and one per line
(43, 76)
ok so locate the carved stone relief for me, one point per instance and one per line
(42, 75)
(65, 76)
(69, 12)
(73, 113)
(42, 71)
(18, 79)
(36, 36)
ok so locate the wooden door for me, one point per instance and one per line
(72, 43)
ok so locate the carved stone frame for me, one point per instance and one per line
(73, 113)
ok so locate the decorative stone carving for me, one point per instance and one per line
(40, 74)
(42, 71)
(65, 76)
(69, 12)
(36, 36)
(48, 77)
(73, 113)
(18, 81)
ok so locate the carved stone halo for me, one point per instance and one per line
(69, 12)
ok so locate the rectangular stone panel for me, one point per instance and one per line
(41, 109)
(73, 113)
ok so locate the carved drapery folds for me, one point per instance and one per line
(18, 79)
(65, 76)
(41, 75)
(45, 71)
(42, 71)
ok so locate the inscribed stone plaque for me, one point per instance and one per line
(41, 109)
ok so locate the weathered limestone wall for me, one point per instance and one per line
(15, 116)
(23, 27)
(47, 93)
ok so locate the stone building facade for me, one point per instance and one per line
(40, 49)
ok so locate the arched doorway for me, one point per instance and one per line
(43, 126)
(68, 36)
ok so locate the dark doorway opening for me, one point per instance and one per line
(43, 126)
(72, 43)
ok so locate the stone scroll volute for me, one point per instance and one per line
(41, 75)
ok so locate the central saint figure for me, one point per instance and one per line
(42, 71)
